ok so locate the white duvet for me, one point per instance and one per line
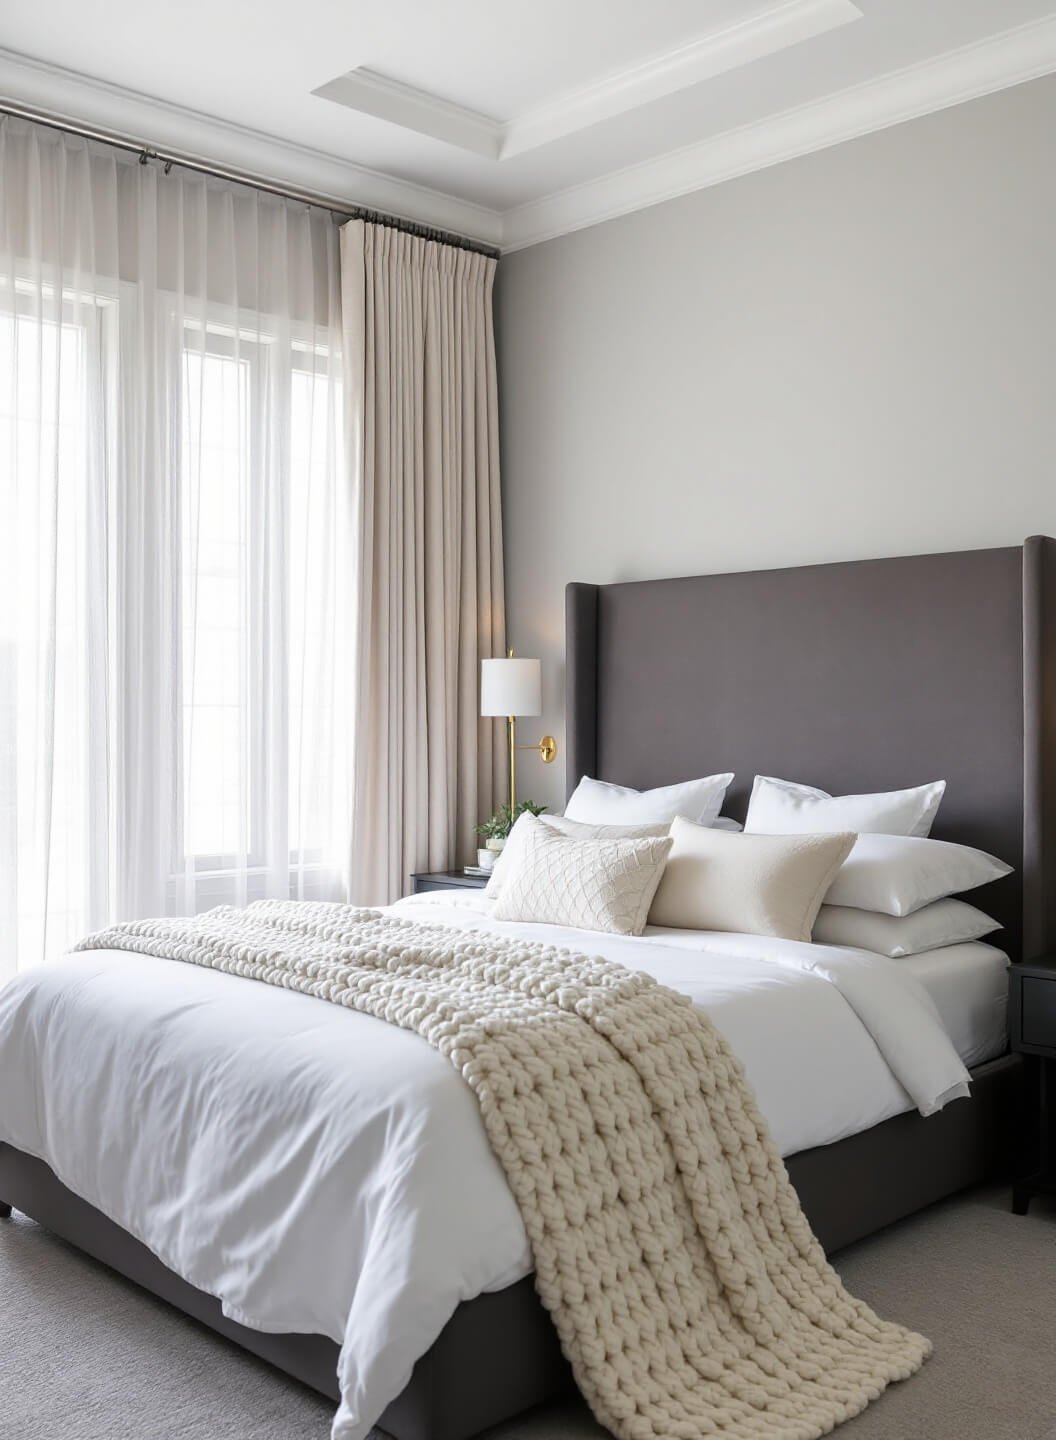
(321, 1171)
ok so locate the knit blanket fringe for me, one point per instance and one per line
(686, 1286)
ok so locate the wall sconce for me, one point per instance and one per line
(514, 687)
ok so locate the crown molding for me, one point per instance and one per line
(1010, 58)
(157, 124)
(782, 24)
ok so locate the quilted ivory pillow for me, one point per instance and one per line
(562, 825)
(751, 884)
(780, 807)
(587, 884)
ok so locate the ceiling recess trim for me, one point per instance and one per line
(776, 29)
(1011, 58)
(782, 25)
(369, 93)
(157, 124)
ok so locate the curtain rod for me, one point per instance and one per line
(339, 210)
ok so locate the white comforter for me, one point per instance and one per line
(321, 1171)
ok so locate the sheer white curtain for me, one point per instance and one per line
(174, 545)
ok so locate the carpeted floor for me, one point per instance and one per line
(87, 1356)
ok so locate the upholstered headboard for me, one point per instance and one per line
(867, 675)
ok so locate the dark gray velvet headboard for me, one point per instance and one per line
(868, 675)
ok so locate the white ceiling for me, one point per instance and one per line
(511, 120)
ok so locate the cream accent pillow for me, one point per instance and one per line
(751, 884)
(561, 824)
(587, 884)
(780, 807)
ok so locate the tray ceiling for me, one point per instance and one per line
(513, 120)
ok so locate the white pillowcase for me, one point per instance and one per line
(750, 884)
(596, 802)
(943, 922)
(899, 874)
(780, 807)
(561, 825)
(588, 884)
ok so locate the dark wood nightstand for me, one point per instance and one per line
(1032, 1031)
(446, 880)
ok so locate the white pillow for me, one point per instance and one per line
(943, 922)
(726, 822)
(561, 825)
(898, 874)
(596, 802)
(751, 884)
(779, 807)
(588, 884)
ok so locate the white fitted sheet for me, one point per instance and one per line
(969, 985)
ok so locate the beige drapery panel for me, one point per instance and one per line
(422, 416)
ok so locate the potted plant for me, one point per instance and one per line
(496, 830)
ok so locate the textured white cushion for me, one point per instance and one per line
(752, 884)
(562, 825)
(596, 802)
(589, 884)
(898, 874)
(943, 922)
(779, 807)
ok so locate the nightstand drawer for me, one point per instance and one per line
(1038, 1013)
(1032, 1031)
(421, 884)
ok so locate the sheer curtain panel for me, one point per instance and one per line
(175, 545)
(423, 424)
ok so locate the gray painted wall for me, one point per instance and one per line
(852, 354)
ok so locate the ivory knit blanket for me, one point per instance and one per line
(689, 1293)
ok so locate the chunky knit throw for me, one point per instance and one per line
(689, 1293)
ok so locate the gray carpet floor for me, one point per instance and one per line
(86, 1356)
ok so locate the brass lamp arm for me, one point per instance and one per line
(547, 748)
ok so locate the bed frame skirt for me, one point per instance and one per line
(498, 1354)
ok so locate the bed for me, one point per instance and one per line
(861, 676)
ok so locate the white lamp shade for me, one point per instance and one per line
(511, 687)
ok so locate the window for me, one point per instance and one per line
(215, 465)
(251, 558)
(258, 692)
(319, 710)
(50, 760)
(174, 546)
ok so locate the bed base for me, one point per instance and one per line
(498, 1354)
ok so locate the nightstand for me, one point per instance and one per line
(1032, 1031)
(446, 880)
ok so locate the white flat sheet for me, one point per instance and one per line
(323, 1172)
(969, 985)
